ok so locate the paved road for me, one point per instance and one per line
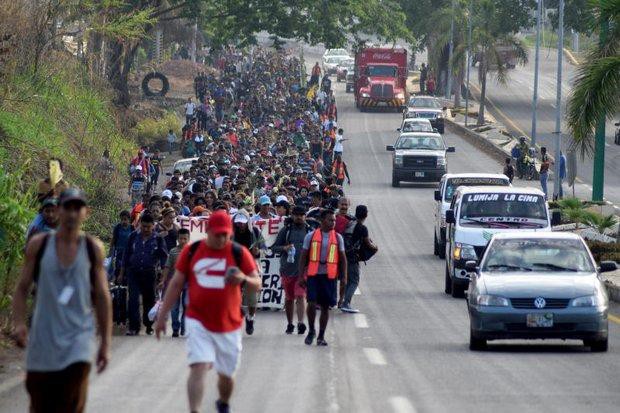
(408, 349)
(512, 105)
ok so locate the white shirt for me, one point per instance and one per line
(189, 108)
(338, 145)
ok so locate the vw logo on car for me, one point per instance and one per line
(540, 302)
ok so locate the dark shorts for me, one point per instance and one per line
(322, 290)
(62, 391)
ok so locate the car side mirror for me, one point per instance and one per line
(617, 124)
(168, 173)
(556, 218)
(607, 266)
(437, 196)
(471, 266)
(397, 129)
(444, 108)
(451, 149)
(450, 217)
(389, 148)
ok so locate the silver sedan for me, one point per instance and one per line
(538, 286)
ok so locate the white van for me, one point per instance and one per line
(478, 212)
(443, 198)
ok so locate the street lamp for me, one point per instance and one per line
(536, 63)
(558, 104)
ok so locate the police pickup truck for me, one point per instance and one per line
(478, 212)
(419, 157)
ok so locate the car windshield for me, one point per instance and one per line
(336, 52)
(419, 142)
(183, 166)
(382, 71)
(333, 59)
(454, 183)
(417, 127)
(529, 255)
(424, 103)
(503, 210)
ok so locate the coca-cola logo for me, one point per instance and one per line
(382, 56)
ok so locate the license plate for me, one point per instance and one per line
(540, 320)
(419, 174)
(382, 104)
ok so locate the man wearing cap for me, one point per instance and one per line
(265, 210)
(137, 185)
(251, 238)
(72, 306)
(142, 161)
(214, 269)
(46, 220)
(289, 242)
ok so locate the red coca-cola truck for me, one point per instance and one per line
(381, 78)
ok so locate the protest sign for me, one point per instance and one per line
(269, 228)
(197, 226)
(271, 294)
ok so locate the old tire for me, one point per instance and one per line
(448, 283)
(442, 250)
(165, 85)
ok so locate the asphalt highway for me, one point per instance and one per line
(406, 351)
(511, 104)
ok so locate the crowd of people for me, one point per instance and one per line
(265, 147)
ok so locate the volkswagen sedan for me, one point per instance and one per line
(538, 286)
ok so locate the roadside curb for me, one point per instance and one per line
(570, 56)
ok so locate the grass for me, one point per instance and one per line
(549, 40)
(56, 113)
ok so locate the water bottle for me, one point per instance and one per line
(291, 255)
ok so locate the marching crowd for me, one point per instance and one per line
(265, 146)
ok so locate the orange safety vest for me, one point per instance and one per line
(338, 170)
(315, 254)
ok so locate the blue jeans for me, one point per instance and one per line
(178, 323)
(353, 280)
(544, 176)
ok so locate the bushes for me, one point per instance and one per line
(575, 211)
(152, 132)
(604, 251)
(17, 209)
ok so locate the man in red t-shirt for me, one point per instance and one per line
(215, 270)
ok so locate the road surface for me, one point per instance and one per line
(511, 104)
(408, 349)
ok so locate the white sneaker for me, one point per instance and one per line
(348, 309)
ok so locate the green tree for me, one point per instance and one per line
(596, 89)
(577, 15)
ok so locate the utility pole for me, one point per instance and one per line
(468, 61)
(536, 63)
(450, 50)
(557, 182)
(192, 51)
(598, 178)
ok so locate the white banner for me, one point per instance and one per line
(269, 228)
(197, 226)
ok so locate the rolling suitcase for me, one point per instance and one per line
(119, 304)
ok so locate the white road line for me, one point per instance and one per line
(357, 291)
(401, 404)
(375, 356)
(360, 320)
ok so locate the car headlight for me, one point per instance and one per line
(365, 95)
(487, 300)
(596, 300)
(398, 160)
(441, 161)
(464, 252)
(400, 95)
(440, 116)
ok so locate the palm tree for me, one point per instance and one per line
(490, 44)
(596, 90)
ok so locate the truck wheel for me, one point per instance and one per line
(442, 250)
(435, 244)
(475, 343)
(395, 182)
(458, 291)
(165, 85)
(448, 284)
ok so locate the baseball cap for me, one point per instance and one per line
(167, 193)
(220, 223)
(281, 198)
(138, 167)
(49, 201)
(240, 218)
(314, 183)
(72, 195)
(264, 200)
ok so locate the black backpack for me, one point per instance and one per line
(237, 251)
